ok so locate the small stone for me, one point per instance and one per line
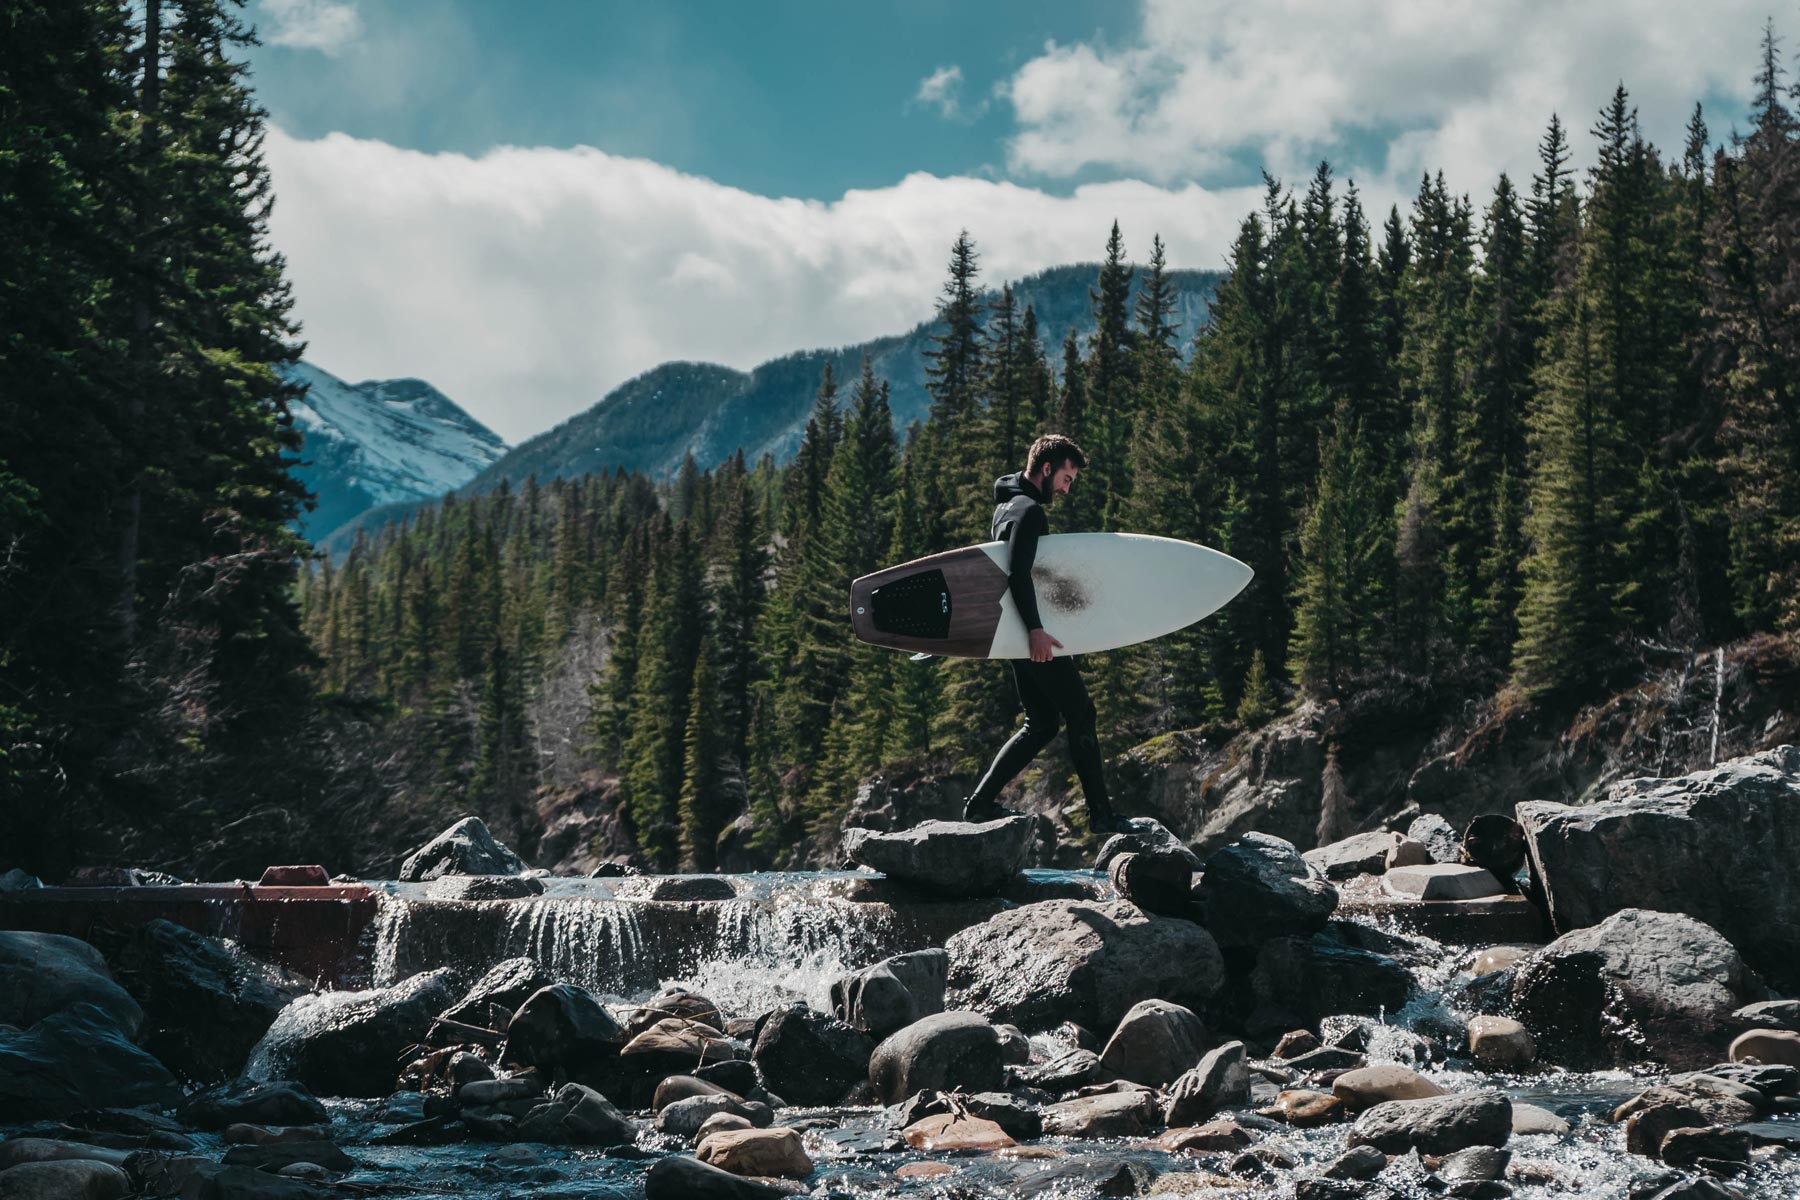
(757, 1152)
(1155, 1042)
(1436, 1124)
(1686, 1147)
(924, 1170)
(718, 1123)
(677, 1177)
(484, 1092)
(1407, 853)
(1475, 1162)
(1359, 1162)
(1441, 881)
(1116, 1114)
(1529, 1119)
(956, 1131)
(1218, 1080)
(1438, 837)
(1778, 1046)
(1306, 1109)
(1500, 958)
(1369, 1086)
(1294, 1043)
(1501, 1043)
(1214, 1137)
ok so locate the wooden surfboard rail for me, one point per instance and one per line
(978, 584)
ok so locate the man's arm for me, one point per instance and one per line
(1025, 534)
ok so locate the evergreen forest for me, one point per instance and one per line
(1497, 450)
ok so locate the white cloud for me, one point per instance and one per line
(527, 283)
(941, 90)
(324, 25)
(1385, 88)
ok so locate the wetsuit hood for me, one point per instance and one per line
(1010, 487)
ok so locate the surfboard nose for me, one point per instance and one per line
(1242, 571)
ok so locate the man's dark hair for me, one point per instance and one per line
(1055, 449)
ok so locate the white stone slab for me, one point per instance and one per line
(1441, 881)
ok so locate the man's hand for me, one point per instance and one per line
(1040, 645)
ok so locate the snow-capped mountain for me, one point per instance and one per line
(381, 441)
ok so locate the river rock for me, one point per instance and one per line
(810, 1058)
(206, 1003)
(1068, 960)
(1218, 1080)
(1144, 835)
(245, 1134)
(1408, 853)
(1304, 1108)
(681, 1002)
(1475, 1162)
(1069, 1070)
(1690, 1146)
(1156, 881)
(950, 858)
(777, 1152)
(1500, 1043)
(1358, 1162)
(275, 1155)
(685, 1118)
(67, 1179)
(497, 995)
(1777, 1046)
(466, 848)
(1435, 1124)
(944, 1052)
(686, 1087)
(1258, 888)
(1501, 958)
(44, 973)
(1358, 854)
(1654, 1111)
(77, 1058)
(677, 1177)
(1365, 1087)
(17, 880)
(893, 993)
(1441, 881)
(1298, 980)
(956, 1131)
(14, 1151)
(1640, 984)
(1718, 845)
(578, 1116)
(1769, 1014)
(1155, 1042)
(719, 1122)
(1223, 1136)
(484, 887)
(347, 1043)
(676, 1045)
(1437, 835)
(215, 1181)
(253, 1102)
(1531, 1119)
(562, 1027)
(1129, 1113)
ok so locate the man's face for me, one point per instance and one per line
(1058, 482)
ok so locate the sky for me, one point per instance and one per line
(529, 204)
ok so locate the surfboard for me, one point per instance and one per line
(1095, 591)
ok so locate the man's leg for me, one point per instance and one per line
(1037, 731)
(1062, 682)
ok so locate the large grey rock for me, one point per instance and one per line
(1719, 845)
(809, 1057)
(497, 995)
(73, 1059)
(893, 993)
(1038, 965)
(952, 858)
(43, 973)
(1438, 837)
(466, 848)
(1144, 835)
(349, 1043)
(1155, 1043)
(1358, 854)
(206, 1003)
(1638, 986)
(1298, 980)
(1258, 888)
(943, 1052)
(578, 1116)
(1435, 1124)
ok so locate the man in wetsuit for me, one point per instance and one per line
(1050, 688)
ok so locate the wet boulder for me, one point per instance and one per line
(1144, 835)
(348, 1043)
(1358, 854)
(495, 997)
(893, 993)
(1437, 835)
(1131, 1112)
(685, 1118)
(1639, 985)
(64, 1179)
(948, 858)
(1365, 1087)
(808, 1057)
(1218, 1080)
(1038, 965)
(1718, 845)
(206, 1003)
(683, 1003)
(677, 1177)
(1155, 1042)
(1500, 1043)
(1435, 1124)
(562, 1027)
(253, 1102)
(578, 1116)
(1298, 980)
(1258, 888)
(77, 1058)
(466, 848)
(942, 1052)
(44, 973)
(759, 1152)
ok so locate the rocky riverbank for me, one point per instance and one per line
(1239, 1020)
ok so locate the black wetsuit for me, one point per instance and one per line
(1049, 691)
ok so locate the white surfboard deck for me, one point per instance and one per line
(1101, 591)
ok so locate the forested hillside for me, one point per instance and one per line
(1492, 451)
(1506, 447)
